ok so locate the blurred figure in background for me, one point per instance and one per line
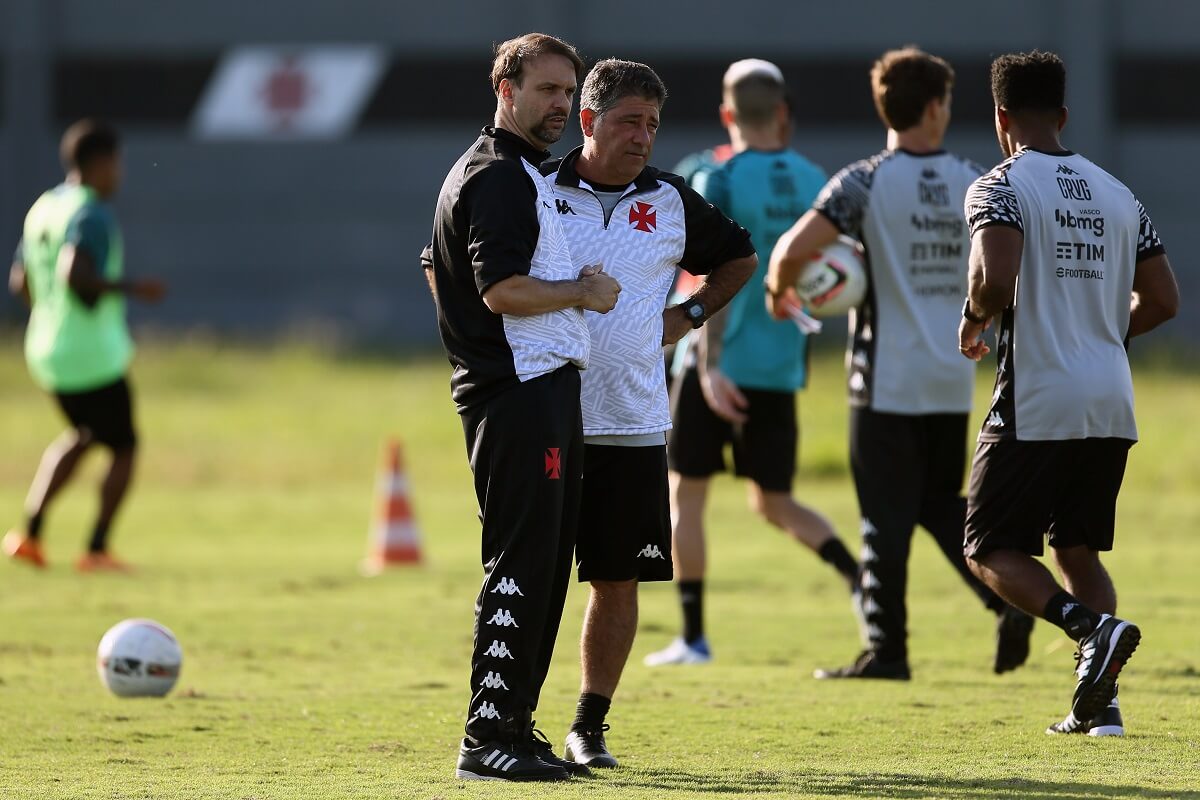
(69, 268)
(910, 395)
(738, 386)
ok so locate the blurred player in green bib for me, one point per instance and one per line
(69, 269)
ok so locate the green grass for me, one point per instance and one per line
(304, 680)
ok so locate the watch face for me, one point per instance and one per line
(695, 311)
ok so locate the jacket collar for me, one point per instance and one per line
(569, 176)
(509, 139)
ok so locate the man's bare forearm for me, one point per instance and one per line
(714, 294)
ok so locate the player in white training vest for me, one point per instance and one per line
(1067, 257)
(641, 225)
(910, 394)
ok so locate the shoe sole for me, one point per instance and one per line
(467, 775)
(1097, 697)
(1107, 730)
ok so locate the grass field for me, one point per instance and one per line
(304, 680)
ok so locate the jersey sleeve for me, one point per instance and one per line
(843, 200)
(501, 221)
(88, 230)
(711, 237)
(1148, 243)
(992, 201)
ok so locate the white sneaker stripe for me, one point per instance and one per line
(488, 761)
(508, 766)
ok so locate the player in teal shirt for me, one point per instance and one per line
(737, 384)
(765, 191)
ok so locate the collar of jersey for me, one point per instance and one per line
(1059, 154)
(568, 176)
(530, 153)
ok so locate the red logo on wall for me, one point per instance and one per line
(643, 217)
(553, 464)
(286, 91)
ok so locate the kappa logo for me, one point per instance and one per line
(499, 650)
(493, 681)
(1068, 608)
(487, 711)
(867, 528)
(564, 207)
(994, 420)
(553, 463)
(1063, 169)
(503, 618)
(507, 586)
(643, 217)
(652, 551)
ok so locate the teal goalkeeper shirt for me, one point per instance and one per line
(765, 192)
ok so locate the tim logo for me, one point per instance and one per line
(1063, 169)
(1078, 251)
(553, 463)
(564, 207)
(643, 217)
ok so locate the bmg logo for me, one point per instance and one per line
(1088, 220)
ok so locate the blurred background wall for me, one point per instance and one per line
(283, 156)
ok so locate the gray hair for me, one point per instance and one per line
(612, 80)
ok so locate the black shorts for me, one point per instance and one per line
(625, 516)
(1020, 491)
(764, 447)
(105, 415)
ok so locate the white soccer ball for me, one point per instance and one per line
(835, 280)
(139, 658)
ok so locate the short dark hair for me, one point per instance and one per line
(612, 79)
(1035, 81)
(512, 55)
(904, 81)
(86, 141)
(755, 99)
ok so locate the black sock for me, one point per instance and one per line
(1072, 616)
(691, 598)
(836, 554)
(33, 525)
(99, 538)
(590, 713)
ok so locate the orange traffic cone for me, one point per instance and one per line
(393, 536)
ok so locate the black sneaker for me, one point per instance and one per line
(867, 665)
(588, 747)
(545, 751)
(505, 761)
(1107, 723)
(1101, 655)
(1013, 628)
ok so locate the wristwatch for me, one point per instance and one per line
(968, 316)
(693, 309)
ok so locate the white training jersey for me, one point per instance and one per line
(905, 209)
(657, 226)
(1062, 371)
